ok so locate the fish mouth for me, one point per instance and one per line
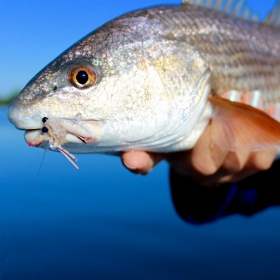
(58, 131)
(73, 130)
(35, 137)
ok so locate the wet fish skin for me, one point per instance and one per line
(241, 54)
(154, 67)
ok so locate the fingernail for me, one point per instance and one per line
(129, 167)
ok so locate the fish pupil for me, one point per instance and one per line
(82, 77)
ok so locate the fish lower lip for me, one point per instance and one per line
(31, 137)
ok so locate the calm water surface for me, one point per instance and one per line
(102, 222)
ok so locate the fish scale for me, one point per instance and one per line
(249, 51)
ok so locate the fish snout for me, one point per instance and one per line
(21, 116)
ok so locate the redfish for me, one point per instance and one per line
(153, 79)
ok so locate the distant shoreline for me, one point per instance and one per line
(8, 100)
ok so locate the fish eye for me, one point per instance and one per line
(82, 76)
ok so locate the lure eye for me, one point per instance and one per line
(82, 76)
(44, 119)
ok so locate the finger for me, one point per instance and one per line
(140, 162)
(203, 160)
(261, 160)
(233, 163)
(257, 161)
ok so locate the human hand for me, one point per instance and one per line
(206, 163)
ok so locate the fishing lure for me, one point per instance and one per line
(54, 132)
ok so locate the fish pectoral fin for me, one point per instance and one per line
(237, 126)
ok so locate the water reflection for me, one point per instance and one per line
(198, 205)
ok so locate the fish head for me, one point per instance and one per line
(122, 86)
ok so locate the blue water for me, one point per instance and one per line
(101, 222)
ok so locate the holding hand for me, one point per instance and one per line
(206, 163)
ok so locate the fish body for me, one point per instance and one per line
(152, 79)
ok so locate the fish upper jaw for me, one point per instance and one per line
(76, 131)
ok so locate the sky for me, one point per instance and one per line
(34, 32)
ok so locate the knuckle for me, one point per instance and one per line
(233, 166)
(205, 169)
(261, 164)
(235, 162)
